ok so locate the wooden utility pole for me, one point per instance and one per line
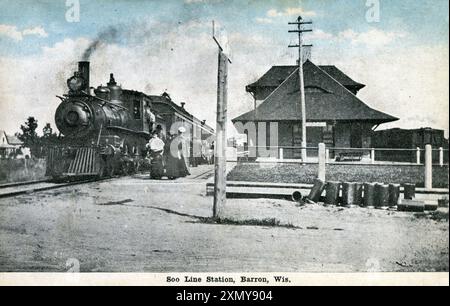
(300, 46)
(220, 182)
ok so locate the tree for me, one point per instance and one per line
(29, 137)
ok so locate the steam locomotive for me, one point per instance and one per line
(105, 133)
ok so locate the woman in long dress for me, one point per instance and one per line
(156, 146)
(175, 160)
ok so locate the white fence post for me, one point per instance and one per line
(281, 153)
(441, 156)
(428, 167)
(418, 156)
(322, 162)
(372, 156)
(327, 155)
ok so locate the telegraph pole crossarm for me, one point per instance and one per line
(300, 21)
(299, 31)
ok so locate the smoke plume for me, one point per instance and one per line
(109, 35)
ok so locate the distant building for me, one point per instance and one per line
(409, 139)
(335, 115)
(10, 146)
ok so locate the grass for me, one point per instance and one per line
(14, 170)
(268, 222)
(439, 216)
(306, 174)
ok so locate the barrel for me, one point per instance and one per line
(410, 191)
(394, 194)
(332, 190)
(369, 195)
(381, 195)
(348, 194)
(297, 196)
(317, 190)
(358, 197)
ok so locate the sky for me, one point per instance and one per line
(399, 49)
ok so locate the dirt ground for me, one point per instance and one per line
(134, 224)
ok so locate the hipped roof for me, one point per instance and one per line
(277, 74)
(330, 101)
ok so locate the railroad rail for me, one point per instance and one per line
(203, 175)
(16, 189)
(17, 184)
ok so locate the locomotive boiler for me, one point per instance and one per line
(105, 129)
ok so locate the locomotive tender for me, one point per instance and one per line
(105, 133)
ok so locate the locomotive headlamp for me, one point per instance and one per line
(75, 83)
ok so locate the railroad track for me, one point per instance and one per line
(8, 185)
(15, 189)
(204, 174)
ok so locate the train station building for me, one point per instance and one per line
(335, 115)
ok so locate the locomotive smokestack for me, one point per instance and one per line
(83, 69)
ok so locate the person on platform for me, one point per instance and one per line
(183, 150)
(156, 147)
(175, 156)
